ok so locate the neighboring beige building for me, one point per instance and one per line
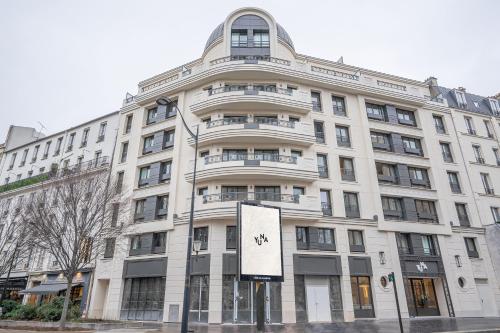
(374, 174)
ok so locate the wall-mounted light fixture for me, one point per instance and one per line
(458, 260)
(381, 257)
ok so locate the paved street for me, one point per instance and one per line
(361, 326)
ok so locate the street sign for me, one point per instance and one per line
(260, 249)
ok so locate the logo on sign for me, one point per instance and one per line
(261, 239)
(421, 267)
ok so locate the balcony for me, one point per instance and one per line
(250, 60)
(258, 130)
(254, 166)
(223, 205)
(489, 191)
(347, 175)
(56, 173)
(253, 98)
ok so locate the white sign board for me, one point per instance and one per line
(260, 252)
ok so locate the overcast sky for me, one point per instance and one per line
(66, 62)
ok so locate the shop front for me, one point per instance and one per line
(239, 297)
(200, 287)
(424, 278)
(360, 269)
(318, 296)
(12, 285)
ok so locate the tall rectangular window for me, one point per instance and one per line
(231, 237)
(428, 245)
(469, 125)
(446, 152)
(58, 146)
(347, 169)
(351, 204)
(119, 181)
(12, 161)
(124, 153)
(144, 175)
(454, 182)
(260, 38)
(151, 116)
(302, 238)
(478, 154)
(462, 103)
(463, 217)
(85, 137)
(485, 179)
(168, 139)
(109, 248)
(326, 203)
(319, 132)
(496, 154)
(239, 38)
(316, 101)
(46, 150)
(439, 124)
(71, 141)
(356, 242)
(35, 153)
(161, 207)
(165, 170)
(139, 210)
(201, 234)
(495, 211)
(470, 245)
(362, 297)
(404, 243)
(102, 131)
(339, 106)
(322, 160)
(489, 129)
(128, 124)
(343, 138)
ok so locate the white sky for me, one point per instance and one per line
(66, 62)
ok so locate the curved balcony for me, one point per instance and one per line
(251, 98)
(259, 130)
(254, 166)
(223, 205)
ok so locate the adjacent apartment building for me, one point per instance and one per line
(374, 174)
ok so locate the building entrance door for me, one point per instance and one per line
(486, 298)
(424, 296)
(318, 300)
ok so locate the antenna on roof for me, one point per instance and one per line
(341, 60)
(129, 97)
(40, 131)
(185, 70)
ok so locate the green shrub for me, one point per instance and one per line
(22, 312)
(50, 311)
(74, 312)
(8, 306)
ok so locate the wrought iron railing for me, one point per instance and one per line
(257, 196)
(246, 120)
(250, 58)
(250, 157)
(249, 88)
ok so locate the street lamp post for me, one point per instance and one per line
(187, 278)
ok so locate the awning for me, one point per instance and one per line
(48, 288)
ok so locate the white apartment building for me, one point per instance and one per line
(374, 174)
(31, 160)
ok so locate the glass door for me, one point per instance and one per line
(424, 296)
(199, 299)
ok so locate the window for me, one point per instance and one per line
(325, 236)
(152, 114)
(168, 139)
(488, 189)
(204, 153)
(316, 101)
(406, 117)
(97, 157)
(161, 207)
(268, 193)
(404, 243)
(102, 132)
(123, 157)
(351, 204)
(109, 248)
(375, 111)
(295, 154)
(114, 215)
(159, 242)
(319, 132)
(144, 174)
(426, 210)
(412, 146)
(297, 192)
(356, 242)
(203, 191)
(495, 211)
(239, 38)
(35, 154)
(469, 125)
(428, 245)
(301, 234)
(148, 144)
(201, 234)
(293, 119)
(326, 203)
(12, 161)
(119, 181)
(439, 124)
(454, 182)
(231, 237)
(58, 146)
(380, 141)
(165, 170)
(23, 158)
(470, 245)
(362, 297)
(494, 106)
(393, 208)
(446, 151)
(71, 140)
(322, 160)
(496, 154)
(419, 177)
(46, 150)
(260, 38)
(489, 129)
(478, 154)
(85, 137)
(462, 103)
(338, 106)
(135, 243)
(128, 124)
(463, 217)
(347, 169)
(139, 209)
(386, 172)
(343, 139)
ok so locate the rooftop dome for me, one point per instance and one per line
(219, 32)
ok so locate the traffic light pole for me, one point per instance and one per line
(393, 279)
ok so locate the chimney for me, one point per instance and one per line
(461, 89)
(432, 82)
(497, 96)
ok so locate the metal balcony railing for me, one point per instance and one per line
(327, 209)
(347, 174)
(250, 157)
(251, 59)
(323, 171)
(257, 196)
(250, 89)
(320, 137)
(246, 120)
(316, 106)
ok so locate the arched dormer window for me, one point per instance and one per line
(250, 37)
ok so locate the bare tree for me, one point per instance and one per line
(76, 219)
(14, 238)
